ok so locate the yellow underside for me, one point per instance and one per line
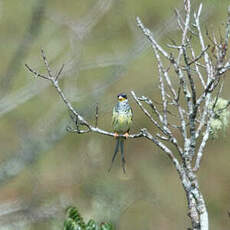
(122, 123)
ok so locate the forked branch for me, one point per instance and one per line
(79, 120)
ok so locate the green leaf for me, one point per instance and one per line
(91, 225)
(74, 221)
(69, 224)
(106, 226)
(73, 214)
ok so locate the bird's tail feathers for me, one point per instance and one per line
(115, 152)
(122, 153)
(119, 144)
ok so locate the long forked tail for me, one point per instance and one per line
(115, 152)
(122, 153)
(119, 143)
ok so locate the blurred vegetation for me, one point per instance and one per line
(74, 221)
(220, 121)
(44, 169)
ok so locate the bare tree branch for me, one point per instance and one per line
(164, 130)
(80, 119)
(197, 115)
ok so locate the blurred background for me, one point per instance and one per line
(43, 168)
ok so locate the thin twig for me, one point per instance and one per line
(46, 63)
(59, 72)
(96, 116)
(36, 73)
(198, 57)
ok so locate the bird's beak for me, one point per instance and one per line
(120, 98)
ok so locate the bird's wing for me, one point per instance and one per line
(114, 117)
(130, 117)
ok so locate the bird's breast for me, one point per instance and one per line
(122, 123)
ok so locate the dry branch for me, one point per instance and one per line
(193, 125)
(79, 120)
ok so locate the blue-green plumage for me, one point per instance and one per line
(121, 121)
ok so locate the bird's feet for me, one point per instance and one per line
(126, 135)
(116, 135)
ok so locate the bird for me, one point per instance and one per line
(121, 122)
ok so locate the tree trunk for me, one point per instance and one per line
(197, 210)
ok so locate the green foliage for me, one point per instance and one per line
(91, 225)
(74, 221)
(106, 226)
(220, 121)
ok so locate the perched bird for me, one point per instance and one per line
(121, 122)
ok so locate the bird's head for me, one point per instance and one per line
(121, 97)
